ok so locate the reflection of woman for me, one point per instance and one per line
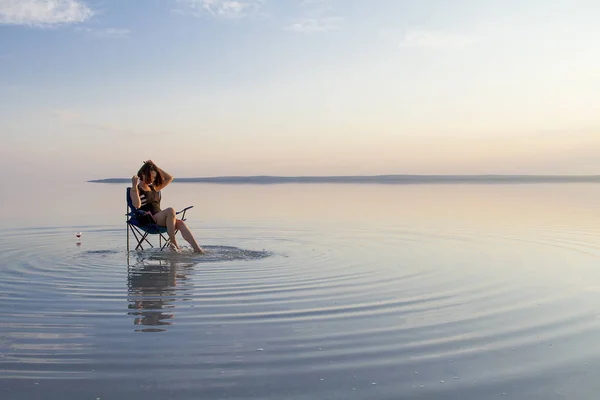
(145, 186)
(153, 292)
(151, 296)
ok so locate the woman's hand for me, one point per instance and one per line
(134, 181)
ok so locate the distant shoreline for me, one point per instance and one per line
(380, 179)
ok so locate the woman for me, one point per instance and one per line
(144, 195)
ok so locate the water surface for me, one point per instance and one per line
(307, 292)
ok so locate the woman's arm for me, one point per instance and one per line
(168, 178)
(134, 194)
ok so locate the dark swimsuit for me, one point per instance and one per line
(150, 200)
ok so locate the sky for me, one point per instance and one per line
(91, 88)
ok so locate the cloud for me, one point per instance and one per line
(230, 9)
(421, 38)
(305, 3)
(312, 25)
(106, 33)
(43, 13)
(316, 4)
(317, 16)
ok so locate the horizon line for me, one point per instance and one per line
(389, 178)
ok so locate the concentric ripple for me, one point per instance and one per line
(270, 312)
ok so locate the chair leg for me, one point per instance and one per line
(136, 237)
(141, 239)
(167, 240)
(139, 245)
(140, 242)
(127, 223)
(144, 238)
(141, 236)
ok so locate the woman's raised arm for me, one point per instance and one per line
(133, 193)
(167, 178)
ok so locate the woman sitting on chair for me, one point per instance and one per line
(144, 195)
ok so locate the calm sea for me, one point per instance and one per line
(315, 291)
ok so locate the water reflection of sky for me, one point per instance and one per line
(488, 289)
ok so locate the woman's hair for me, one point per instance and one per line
(146, 170)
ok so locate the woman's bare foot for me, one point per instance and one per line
(174, 248)
(200, 250)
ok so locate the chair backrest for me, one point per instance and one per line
(133, 220)
(130, 203)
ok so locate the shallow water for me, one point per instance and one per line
(308, 292)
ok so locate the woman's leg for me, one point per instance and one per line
(167, 218)
(187, 235)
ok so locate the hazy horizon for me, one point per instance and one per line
(379, 179)
(298, 87)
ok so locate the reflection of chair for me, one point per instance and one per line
(151, 296)
(153, 293)
(141, 231)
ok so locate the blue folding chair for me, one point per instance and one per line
(141, 232)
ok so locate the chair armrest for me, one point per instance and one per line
(184, 210)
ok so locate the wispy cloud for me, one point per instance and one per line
(317, 4)
(422, 38)
(305, 3)
(43, 13)
(231, 9)
(105, 33)
(317, 16)
(312, 25)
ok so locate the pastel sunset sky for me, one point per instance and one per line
(90, 88)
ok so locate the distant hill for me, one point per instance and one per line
(381, 179)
